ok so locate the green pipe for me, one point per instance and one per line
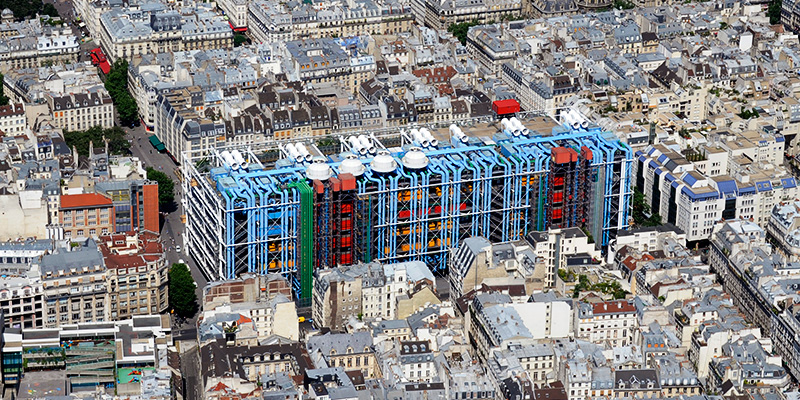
(306, 237)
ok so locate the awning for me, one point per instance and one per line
(157, 143)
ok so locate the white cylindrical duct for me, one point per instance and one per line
(367, 144)
(229, 160)
(585, 124)
(454, 129)
(355, 144)
(420, 138)
(301, 148)
(292, 152)
(426, 133)
(237, 155)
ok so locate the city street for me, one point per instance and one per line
(172, 229)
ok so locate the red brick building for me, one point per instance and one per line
(86, 215)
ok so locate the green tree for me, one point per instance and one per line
(460, 30)
(182, 294)
(623, 4)
(117, 144)
(641, 209)
(117, 86)
(23, 9)
(3, 98)
(165, 187)
(774, 11)
(239, 39)
(50, 10)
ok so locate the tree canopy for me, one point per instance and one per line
(23, 9)
(117, 144)
(182, 294)
(774, 11)
(239, 39)
(641, 209)
(3, 98)
(117, 86)
(460, 30)
(165, 187)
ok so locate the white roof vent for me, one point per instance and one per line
(383, 162)
(351, 165)
(319, 170)
(415, 159)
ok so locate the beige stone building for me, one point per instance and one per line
(137, 274)
(81, 111)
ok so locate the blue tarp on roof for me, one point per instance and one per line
(779, 138)
(789, 182)
(764, 186)
(669, 177)
(727, 186)
(662, 158)
(659, 171)
(653, 164)
(675, 184)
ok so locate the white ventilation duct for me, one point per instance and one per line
(301, 148)
(419, 138)
(367, 144)
(356, 145)
(237, 155)
(351, 165)
(228, 159)
(458, 134)
(426, 133)
(293, 153)
(415, 158)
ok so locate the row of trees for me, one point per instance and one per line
(117, 144)
(182, 294)
(117, 86)
(166, 186)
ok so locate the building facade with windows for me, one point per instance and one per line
(74, 280)
(86, 215)
(137, 279)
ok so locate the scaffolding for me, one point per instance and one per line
(313, 212)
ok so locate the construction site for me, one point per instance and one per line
(412, 194)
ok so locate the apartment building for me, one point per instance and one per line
(183, 125)
(127, 32)
(351, 351)
(12, 119)
(728, 181)
(86, 215)
(74, 279)
(440, 14)
(30, 44)
(21, 302)
(137, 279)
(478, 262)
(270, 21)
(365, 291)
(490, 48)
(81, 111)
(612, 322)
(496, 322)
(319, 61)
